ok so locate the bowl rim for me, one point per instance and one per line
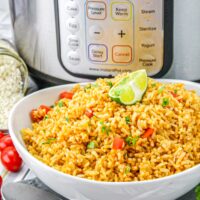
(85, 180)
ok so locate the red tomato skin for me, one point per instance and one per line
(118, 143)
(11, 159)
(174, 94)
(67, 95)
(89, 113)
(1, 181)
(148, 133)
(46, 108)
(5, 141)
(33, 118)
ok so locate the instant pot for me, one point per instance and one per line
(80, 40)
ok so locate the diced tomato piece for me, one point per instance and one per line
(89, 113)
(118, 143)
(38, 114)
(46, 108)
(33, 116)
(66, 94)
(174, 94)
(148, 133)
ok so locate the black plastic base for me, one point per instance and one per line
(44, 80)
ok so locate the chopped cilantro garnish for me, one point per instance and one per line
(175, 91)
(160, 89)
(104, 128)
(91, 145)
(67, 119)
(128, 120)
(109, 83)
(153, 84)
(60, 104)
(165, 102)
(127, 169)
(46, 117)
(197, 192)
(131, 141)
(87, 87)
(49, 140)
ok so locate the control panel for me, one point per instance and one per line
(105, 37)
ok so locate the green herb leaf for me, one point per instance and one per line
(46, 117)
(131, 141)
(104, 128)
(175, 91)
(49, 140)
(91, 145)
(197, 192)
(160, 89)
(87, 87)
(127, 169)
(153, 84)
(165, 102)
(101, 122)
(52, 106)
(128, 120)
(110, 84)
(60, 104)
(67, 119)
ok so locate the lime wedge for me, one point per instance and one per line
(130, 89)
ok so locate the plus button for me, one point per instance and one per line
(122, 34)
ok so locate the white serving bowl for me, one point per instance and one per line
(74, 188)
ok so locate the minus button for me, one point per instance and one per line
(96, 32)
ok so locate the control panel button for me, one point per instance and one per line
(72, 25)
(120, 33)
(122, 54)
(147, 60)
(147, 2)
(147, 44)
(72, 8)
(73, 42)
(96, 10)
(73, 58)
(96, 32)
(98, 52)
(121, 11)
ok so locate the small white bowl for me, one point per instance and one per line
(74, 188)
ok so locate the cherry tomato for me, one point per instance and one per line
(5, 141)
(89, 113)
(67, 95)
(1, 181)
(1, 134)
(11, 159)
(118, 143)
(46, 108)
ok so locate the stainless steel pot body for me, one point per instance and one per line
(36, 36)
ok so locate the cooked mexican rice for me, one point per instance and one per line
(70, 141)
